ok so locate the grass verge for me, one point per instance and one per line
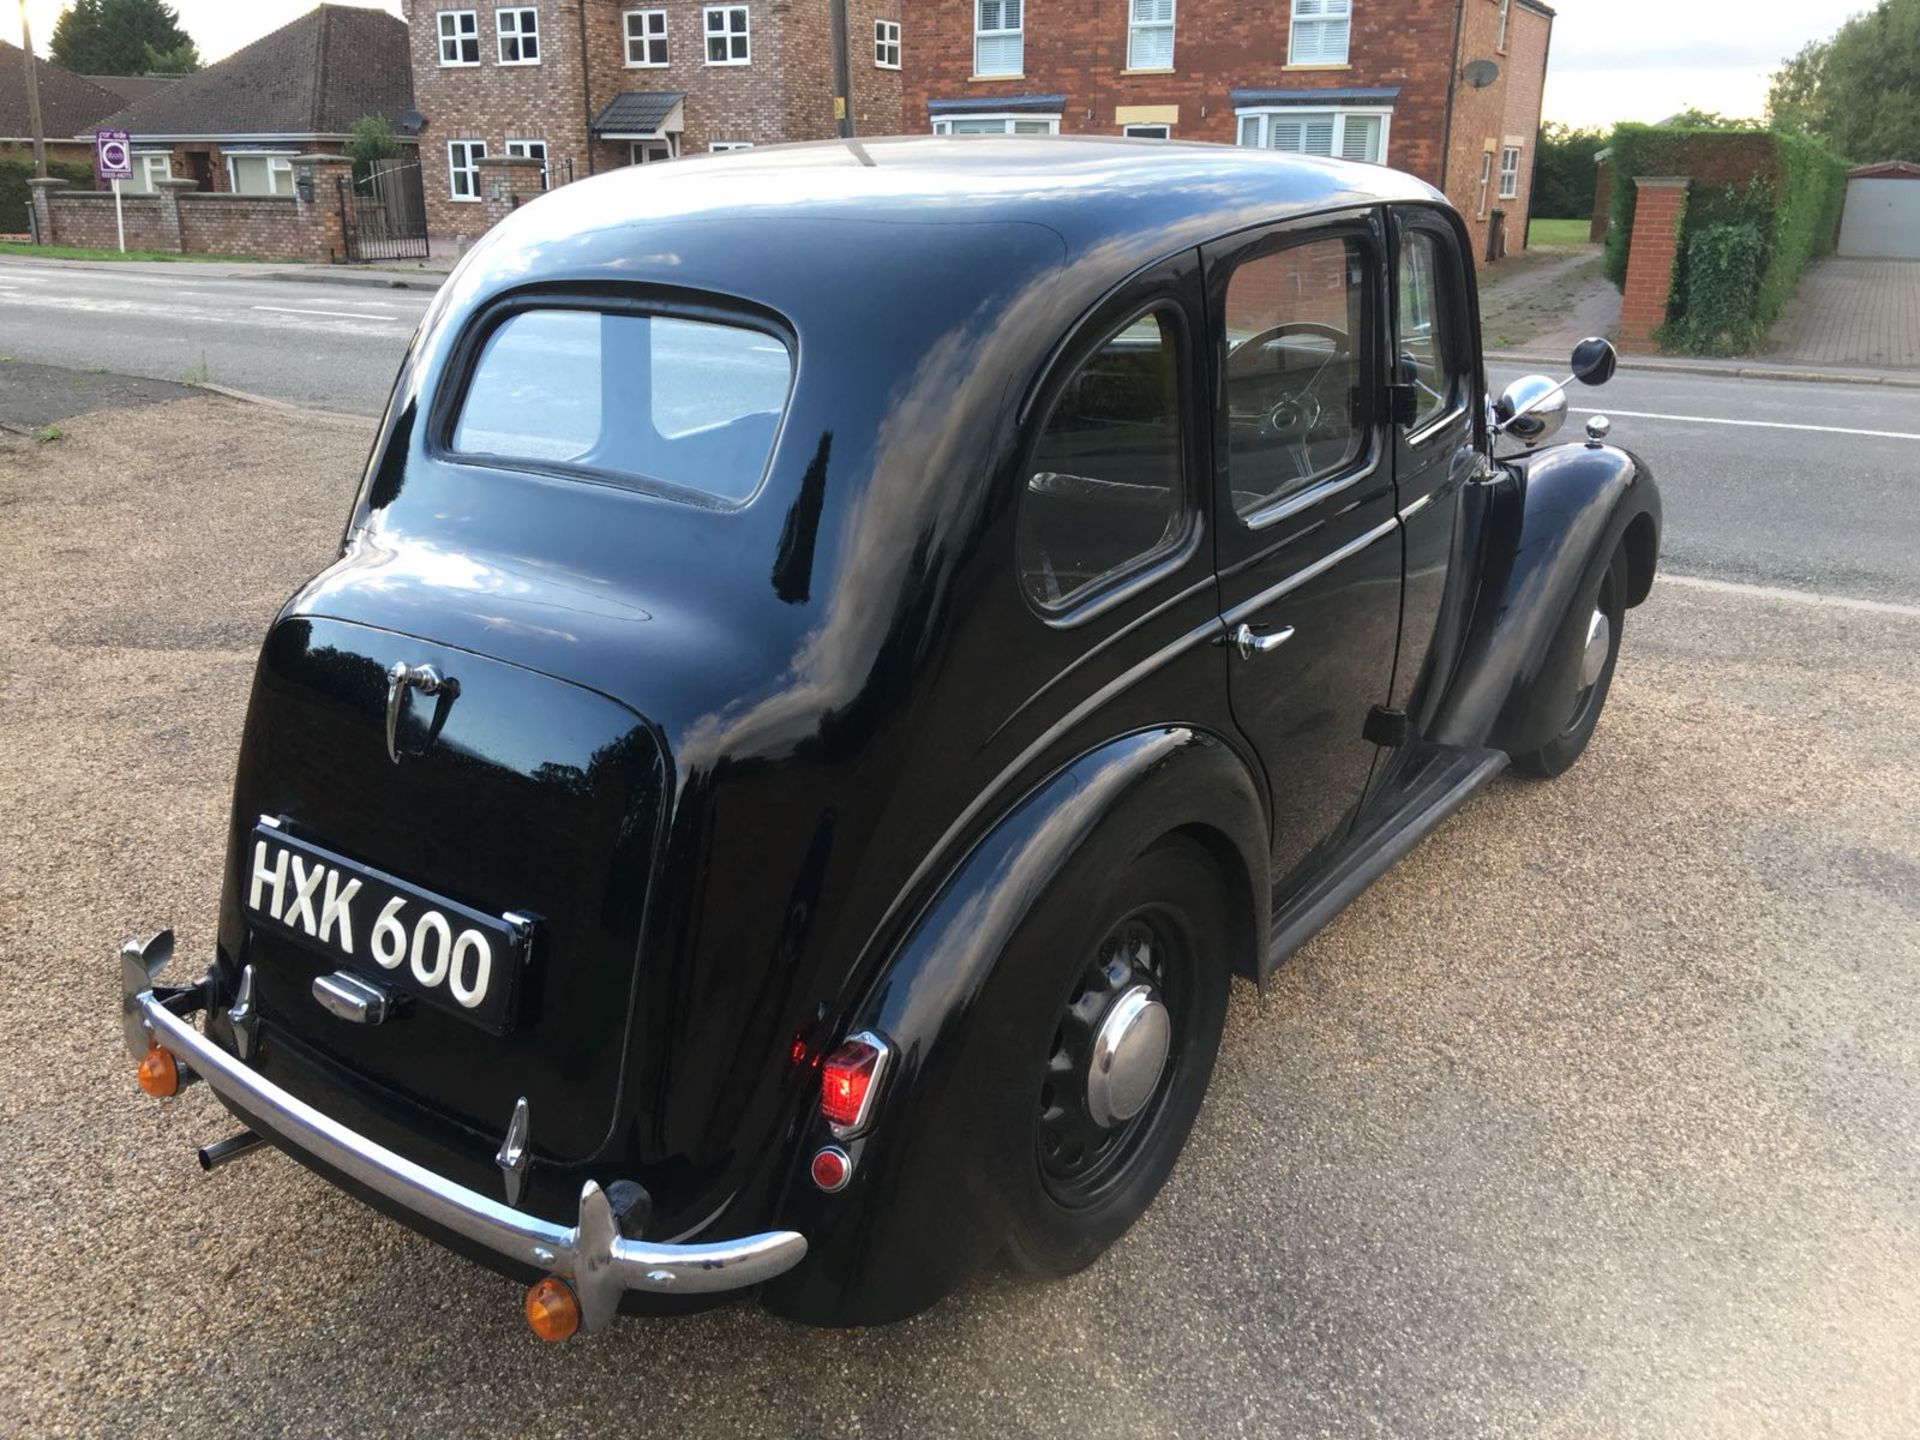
(81, 252)
(1558, 232)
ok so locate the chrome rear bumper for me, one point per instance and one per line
(592, 1256)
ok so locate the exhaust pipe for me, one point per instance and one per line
(213, 1156)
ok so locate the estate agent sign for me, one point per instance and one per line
(113, 160)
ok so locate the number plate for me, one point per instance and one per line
(419, 943)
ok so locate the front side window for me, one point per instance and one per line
(1510, 172)
(1104, 489)
(532, 150)
(1294, 366)
(459, 37)
(727, 35)
(1347, 134)
(998, 39)
(463, 168)
(1150, 35)
(1422, 326)
(518, 31)
(654, 401)
(1319, 32)
(646, 38)
(886, 44)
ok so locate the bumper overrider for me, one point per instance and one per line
(594, 1261)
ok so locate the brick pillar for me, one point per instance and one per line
(318, 182)
(42, 211)
(506, 183)
(169, 192)
(1660, 207)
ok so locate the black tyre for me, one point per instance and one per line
(1606, 607)
(1142, 970)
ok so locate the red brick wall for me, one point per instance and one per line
(1658, 211)
(1485, 120)
(249, 225)
(181, 220)
(85, 217)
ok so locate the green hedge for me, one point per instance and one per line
(1783, 191)
(15, 197)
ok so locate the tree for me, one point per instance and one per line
(1859, 91)
(372, 141)
(1694, 118)
(1563, 171)
(114, 37)
(181, 60)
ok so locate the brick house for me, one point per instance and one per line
(235, 127)
(69, 105)
(1363, 79)
(590, 85)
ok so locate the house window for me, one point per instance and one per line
(1486, 176)
(463, 170)
(1147, 132)
(649, 152)
(1319, 32)
(886, 44)
(459, 37)
(1150, 35)
(260, 174)
(1506, 14)
(998, 39)
(715, 147)
(147, 171)
(1510, 173)
(518, 32)
(532, 150)
(1348, 134)
(1105, 492)
(727, 35)
(646, 38)
(999, 125)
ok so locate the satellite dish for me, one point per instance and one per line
(1480, 74)
(412, 123)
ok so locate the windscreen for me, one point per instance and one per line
(658, 401)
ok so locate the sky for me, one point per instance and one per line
(1612, 59)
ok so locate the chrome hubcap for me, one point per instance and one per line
(1129, 1052)
(1599, 640)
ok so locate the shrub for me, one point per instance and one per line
(15, 196)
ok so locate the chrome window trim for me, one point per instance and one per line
(1434, 426)
(1277, 510)
(1314, 571)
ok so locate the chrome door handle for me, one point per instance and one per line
(1250, 642)
(428, 681)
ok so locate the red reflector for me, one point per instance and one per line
(847, 1082)
(830, 1168)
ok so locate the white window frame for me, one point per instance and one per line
(886, 37)
(720, 147)
(459, 38)
(525, 149)
(1260, 118)
(726, 33)
(149, 166)
(1486, 182)
(647, 37)
(1008, 119)
(1019, 32)
(1137, 27)
(1506, 15)
(1510, 174)
(1148, 130)
(279, 163)
(1320, 13)
(526, 26)
(473, 150)
(639, 152)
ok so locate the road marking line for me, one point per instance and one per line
(331, 314)
(1756, 424)
(1796, 597)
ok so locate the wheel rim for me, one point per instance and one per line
(1113, 1052)
(1593, 656)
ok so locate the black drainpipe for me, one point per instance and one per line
(1453, 81)
(586, 85)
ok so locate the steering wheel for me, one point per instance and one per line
(1297, 415)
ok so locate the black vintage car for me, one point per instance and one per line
(839, 655)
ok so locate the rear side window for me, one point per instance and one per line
(652, 400)
(1104, 490)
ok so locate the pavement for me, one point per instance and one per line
(1547, 298)
(1594, 1117)
(33, 397)
(1852, 313)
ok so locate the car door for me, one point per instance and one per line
(1307, 541)
(1436, 447)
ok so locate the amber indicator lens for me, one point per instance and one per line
(846, 1083)
(552, 1312)
(159, 1073)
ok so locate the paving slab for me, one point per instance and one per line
(1852, 313)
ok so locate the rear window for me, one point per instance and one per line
(653, 400)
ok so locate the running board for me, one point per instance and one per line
(1437, 781)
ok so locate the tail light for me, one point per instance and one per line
(850, 1080)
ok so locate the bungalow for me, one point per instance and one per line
(70, 106)
(235, 127)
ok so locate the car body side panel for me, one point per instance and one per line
(1554, 521)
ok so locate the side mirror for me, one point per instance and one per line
(1594, 360)
(1532, 409)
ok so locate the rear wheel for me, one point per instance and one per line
(1594, 631)
(1139, 1002)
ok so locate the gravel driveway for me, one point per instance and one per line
(1596, 1117)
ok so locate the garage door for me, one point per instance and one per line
(1882, 218)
